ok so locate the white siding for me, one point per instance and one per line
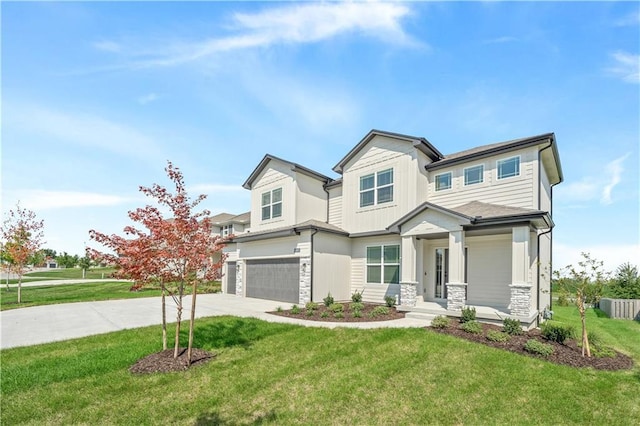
(545, 271)
(518, 191)
(275, 175)
(294, 246)
(311, 199)
(489, 271)
(374, 293)
(331, 266)
(335, 206)
(545, 191)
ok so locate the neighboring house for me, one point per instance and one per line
(437, 232)
(225, 224)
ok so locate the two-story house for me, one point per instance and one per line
(434, 231)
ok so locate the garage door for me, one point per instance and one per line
(273, 279)
(231, 278)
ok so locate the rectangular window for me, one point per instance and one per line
(227, 230)
(473, 175)
(272, 204)
(443, 181)
(509, 167)
(383, 264)
(376, 188)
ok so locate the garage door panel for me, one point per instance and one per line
(231, 278)
(274, 279)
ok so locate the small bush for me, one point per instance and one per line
(512, 327)
(336, 307)
(390, 301)
(379, 311)
(328, 301)
(279, 309)
(472, 327)
(338, 315)
(598, 348)
(309, 313)
(497, 336)
(537, 348)
(468, 314)
(440, 322)
(563, 299)
(356, 296)
(557, 331)
(311, 306)
(295, 309)
(357, 306)
(357, 313)
(324, 314)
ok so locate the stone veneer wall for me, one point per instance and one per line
(239, 272)
(305, 280)
(408, 293)
(520, 300)
(456, 296)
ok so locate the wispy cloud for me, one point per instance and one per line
(633, 18)
(498, 40)
(599, 186)
(47, 200)
(291, 24)
(613, 255)
(108, 46)
(614, 172)
(148, 98)
(626, 67)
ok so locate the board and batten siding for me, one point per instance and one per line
(379, 154)
(275, 175)
(517, 191)
(335, 206)
(373, 293)
(331, 267)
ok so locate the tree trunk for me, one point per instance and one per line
(177, 343)
(84, 273)
(19, 289)
(585, 339)
(164, 318)
(191, 321)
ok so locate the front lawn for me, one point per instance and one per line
(286, 374)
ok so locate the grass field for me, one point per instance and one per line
(72, 274)
(268, 373)
(87, 292)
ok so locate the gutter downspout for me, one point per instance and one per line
(544, 233)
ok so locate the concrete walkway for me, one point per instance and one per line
(51, 323)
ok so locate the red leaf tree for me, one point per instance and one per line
(177, 252)
(22, 236)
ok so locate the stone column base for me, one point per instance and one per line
(456, 296)
(304, 295)
(408, 293)
(520, 304)
(239, 278)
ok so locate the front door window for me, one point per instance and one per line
(442, 272)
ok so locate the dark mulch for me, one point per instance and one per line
(348, 314)
(164, 362)
(568, 354)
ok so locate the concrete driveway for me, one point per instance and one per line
(51, 323)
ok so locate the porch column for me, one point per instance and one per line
(239, 280)
(456, 287)
(408, 282)
(520, 303)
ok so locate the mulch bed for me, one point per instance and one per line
(164, 362)
(348, 314)
(567, 354)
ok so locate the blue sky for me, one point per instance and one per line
(96, 97)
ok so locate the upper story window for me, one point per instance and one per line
(443, 181)
(383, 264)
(272, 204)
(473, 175)
(508, 167)
(376, 188)
(226, 230)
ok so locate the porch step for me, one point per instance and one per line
(419, 316)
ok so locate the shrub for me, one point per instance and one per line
(357, 313)
(357, 306)
(338, 315)
(390, 301)
(309, 312)
(468, 314)
(512, 327)
(563, 299)
(440, 322)
(379, 311)
(336, 307)
(472, 327)
(295, 309)
(538, 348)
(557, 331)
(311, 306)
(279, 309)
(497, 336)
(324, 314)
(598, 348)
(328, 301)
(356, 296)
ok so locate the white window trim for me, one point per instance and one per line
(382, 264)
(375, 188)
(271, 204)
(506, 159)
(464, 175)
(435, 182)
(226, 230)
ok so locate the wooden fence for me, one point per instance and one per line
(621, 308)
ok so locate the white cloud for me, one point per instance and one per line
(626, 67)
(291, 24)
(614, 171)
(633, 18)
(149, 97)
(504, 39)
(613, 255)
(108, 46)
(46, 200)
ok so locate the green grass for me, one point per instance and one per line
(268, 373)
(73, 274)
(86, 292)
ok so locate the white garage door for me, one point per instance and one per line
(274, 279)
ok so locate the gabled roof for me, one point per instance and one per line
(225, 218)
(495, 148)
(241, 218)
(476, 213)
(418, 142)
(220, 218)
(294, 167)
